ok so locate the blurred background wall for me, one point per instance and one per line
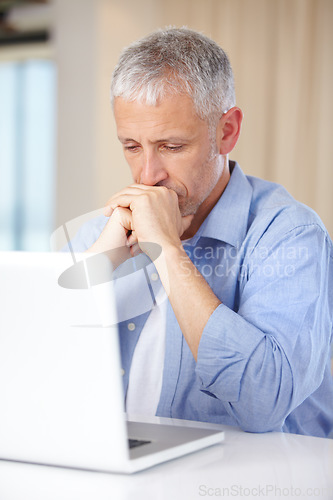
(281, 53)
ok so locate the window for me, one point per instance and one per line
(27, 146)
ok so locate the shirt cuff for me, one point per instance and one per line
(225, 348)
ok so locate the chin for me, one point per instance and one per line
(188, 208)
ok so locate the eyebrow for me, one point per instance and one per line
(167, 139)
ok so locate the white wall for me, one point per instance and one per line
(88, 37)
(281, 54)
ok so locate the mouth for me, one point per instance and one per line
(181, 193)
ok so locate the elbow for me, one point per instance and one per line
(260, 427)
(260, 418)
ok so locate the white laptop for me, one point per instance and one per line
(61, 393)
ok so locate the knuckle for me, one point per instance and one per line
(117, 212)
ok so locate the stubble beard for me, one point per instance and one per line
(190, 206)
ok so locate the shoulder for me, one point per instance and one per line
(278, 225)
(274, 211)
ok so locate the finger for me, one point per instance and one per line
(133, 189)
(135, 250)
(123, 216)
(122, 201)
(132, 239)
(125, 200)
(124, 197)
(107, 211)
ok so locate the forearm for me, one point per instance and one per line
(236, 362)
(190, 296)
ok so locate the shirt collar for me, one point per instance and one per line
(228, 220)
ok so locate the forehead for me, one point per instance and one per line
(174, 113)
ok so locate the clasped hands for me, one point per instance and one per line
(141, 214)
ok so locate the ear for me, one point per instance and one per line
(228, 130)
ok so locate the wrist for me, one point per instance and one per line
(172, 262)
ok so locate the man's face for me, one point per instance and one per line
(169, 145)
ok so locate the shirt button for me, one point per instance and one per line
(122, 371)
(154, 276)
(131, 327)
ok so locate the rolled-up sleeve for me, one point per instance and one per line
(265, 358)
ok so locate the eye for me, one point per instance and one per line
(132, 148)
(173, 148)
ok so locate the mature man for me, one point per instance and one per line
(244, 337)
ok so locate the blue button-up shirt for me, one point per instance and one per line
(264, 356)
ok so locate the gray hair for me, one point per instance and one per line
(176, 61)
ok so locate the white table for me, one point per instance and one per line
(271, 465)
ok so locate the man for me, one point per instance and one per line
(244, 337)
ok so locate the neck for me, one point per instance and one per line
(208, 204)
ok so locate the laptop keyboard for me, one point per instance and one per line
(134, 443)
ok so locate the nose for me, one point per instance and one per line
(152, 170)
